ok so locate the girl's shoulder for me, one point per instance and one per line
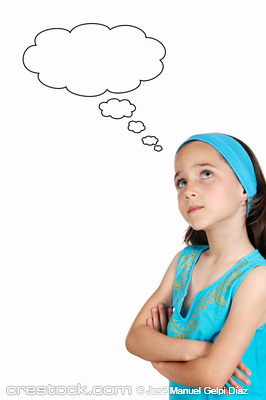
(251, 268)
(256, 258)
(193, 250)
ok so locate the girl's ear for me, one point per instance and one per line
(245, 194)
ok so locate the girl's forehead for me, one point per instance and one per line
(198, 151)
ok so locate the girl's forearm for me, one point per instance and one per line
(195, 373)
(152, 345)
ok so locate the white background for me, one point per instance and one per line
(89, 218)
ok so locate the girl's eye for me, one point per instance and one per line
(181, 183)
(206, 174)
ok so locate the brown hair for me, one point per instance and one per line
(256, 220)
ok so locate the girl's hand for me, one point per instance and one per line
(241, 367)
(159, 319)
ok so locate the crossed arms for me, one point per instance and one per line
(198, 363)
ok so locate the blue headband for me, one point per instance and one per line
(236, 156)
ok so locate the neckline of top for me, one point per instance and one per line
(208, 288)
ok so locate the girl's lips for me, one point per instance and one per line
(194, 208)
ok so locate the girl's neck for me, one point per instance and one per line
(228, 242)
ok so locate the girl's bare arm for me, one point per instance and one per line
(152, 345)
(214, 370)
(159, 319)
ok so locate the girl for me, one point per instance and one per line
(216, 285)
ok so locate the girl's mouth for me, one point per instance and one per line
(194, 209)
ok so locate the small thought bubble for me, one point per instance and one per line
(117, 109)
(150, 140)
(92, 58)
(136, 126)
(158, 148)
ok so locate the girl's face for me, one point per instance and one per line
(209, 192)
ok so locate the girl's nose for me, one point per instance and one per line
(190, 191)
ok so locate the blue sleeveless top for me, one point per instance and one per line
(206, 318)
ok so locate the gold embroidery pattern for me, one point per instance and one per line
(181, 332)
(187, 261)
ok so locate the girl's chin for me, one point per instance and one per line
(198, 227)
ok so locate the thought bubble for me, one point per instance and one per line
(136, 126)
(158, 148)
(117, 109)
(150, 140)
(92, 58)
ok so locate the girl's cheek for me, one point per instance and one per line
(180, 201)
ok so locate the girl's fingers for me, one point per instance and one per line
(159, 318)
(149, 322)
(169, 313)
(238, 374)
(156, 319)
(226, 390)
(243, 368)
(233, 383)
(163, 317)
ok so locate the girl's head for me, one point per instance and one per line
(221, 176)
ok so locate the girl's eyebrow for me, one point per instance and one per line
(196, 165)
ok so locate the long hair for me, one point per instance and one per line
(256, 220)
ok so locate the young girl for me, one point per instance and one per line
(216, 285)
